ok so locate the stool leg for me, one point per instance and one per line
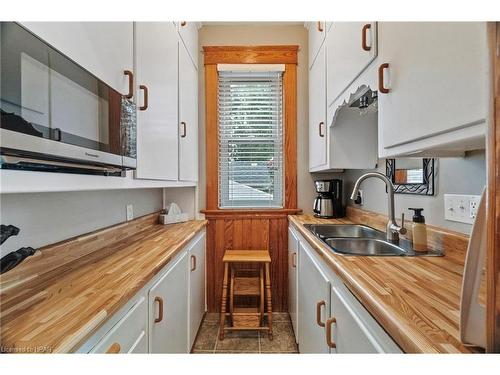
(261, 281)
(269, 303)
(231, 295)
(223, 303)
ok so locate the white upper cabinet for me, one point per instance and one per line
(433, 91)
(103, 48)
(188, 117)
(189, 35)
(317, 32)
(156, 57)
(318, 134)
(350, 48)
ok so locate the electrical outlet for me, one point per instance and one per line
(130, 212)
(474, 204)
(461, 208)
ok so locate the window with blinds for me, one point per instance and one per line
(250, 135)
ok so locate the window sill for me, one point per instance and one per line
(251, 212)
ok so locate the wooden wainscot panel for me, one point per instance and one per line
(248, 233)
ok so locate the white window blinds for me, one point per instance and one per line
(250, 139)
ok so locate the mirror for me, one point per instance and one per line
(411, 175)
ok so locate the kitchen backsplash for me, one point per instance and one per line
(465, 175)
(46, 218)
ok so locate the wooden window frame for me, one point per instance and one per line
(279, 54)
(493, 199)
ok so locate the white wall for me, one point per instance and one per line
(259, 34)
(465, 175)
(46, 218)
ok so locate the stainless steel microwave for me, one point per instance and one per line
(55, 115)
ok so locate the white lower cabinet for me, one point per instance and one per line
(165, 315)
(168, 308)
(293, 250)
(196, 288)
(350, 333)
(314, 303)
(326, 306)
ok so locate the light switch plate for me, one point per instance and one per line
(130, 212)
(461, 208)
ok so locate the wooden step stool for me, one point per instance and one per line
(249, 283)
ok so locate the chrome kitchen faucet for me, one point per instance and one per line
(393, 229)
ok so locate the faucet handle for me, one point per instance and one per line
(402, 229)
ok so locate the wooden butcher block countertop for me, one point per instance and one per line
(415, 299)
(57, 310)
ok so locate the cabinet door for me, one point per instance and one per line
(168, 310)
(103, 48)
(189, 35)
(318, 134)
(156, 52)
(317, 32)
(314, 297)
(188, 117)
(437, 79)
(293, 250)
(196, 288)
(348, 333)
(350, 48)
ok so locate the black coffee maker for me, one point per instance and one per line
(328, 203)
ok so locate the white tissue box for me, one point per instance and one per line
(173, 218)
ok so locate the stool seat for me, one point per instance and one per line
(246, 256)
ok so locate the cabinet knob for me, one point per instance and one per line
(363, 37)
(114, 348)
(319, 305)
(160, 308)
(329, 340)
(183, 23)
(130, 76)
(320, 27)
(381, 78)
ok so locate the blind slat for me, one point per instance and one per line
(250, 106)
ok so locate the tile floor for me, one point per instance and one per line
(207, 341)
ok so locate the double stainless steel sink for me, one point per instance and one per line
(356, 239)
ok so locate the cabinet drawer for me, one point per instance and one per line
(129, 335)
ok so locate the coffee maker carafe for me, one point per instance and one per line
(328, 203)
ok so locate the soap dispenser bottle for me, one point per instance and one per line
(419, 230)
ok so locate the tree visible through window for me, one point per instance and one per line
(250, 112)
